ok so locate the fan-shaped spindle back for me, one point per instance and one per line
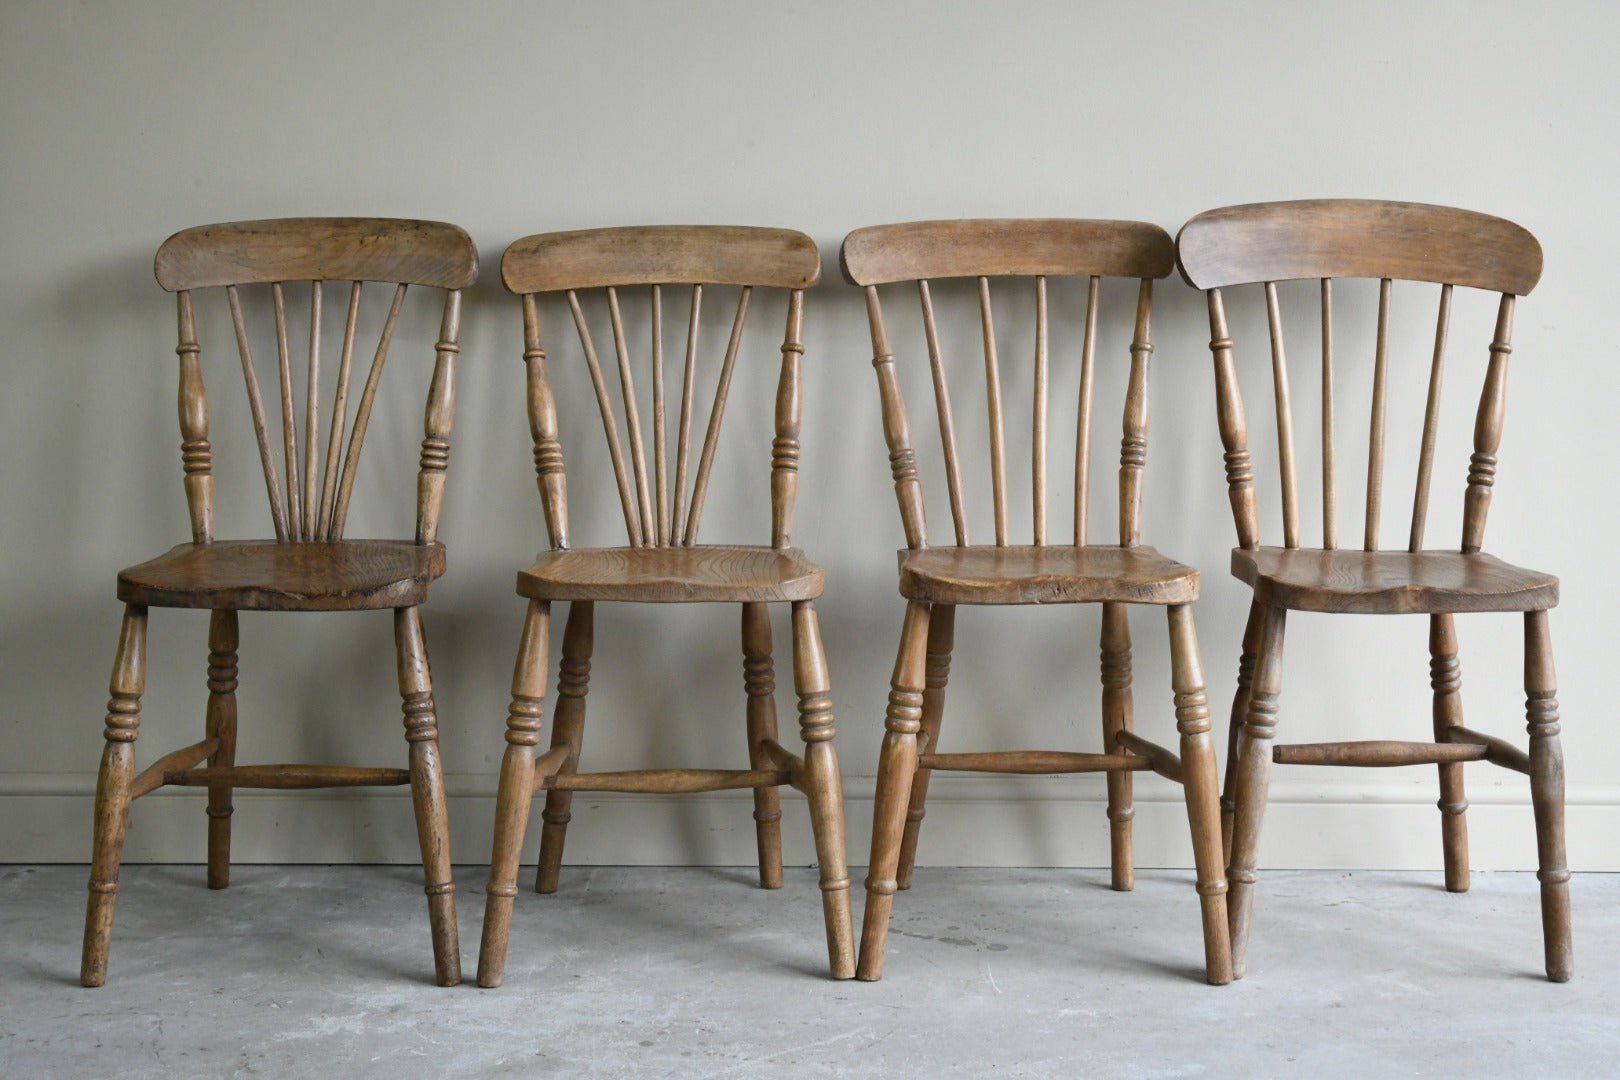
(313, 504)
(1270, 242)
(610, 260)
(986, 249)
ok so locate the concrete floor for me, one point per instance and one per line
(325, 972)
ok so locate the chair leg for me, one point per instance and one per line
(1547, 794)
(936, 673)
(567, 729)
(1445, 676)
(897, 763)
(516, 790)
(221, 725)
(1240, 709)
(823, 785)
(759, 682)
(112, 792)
(427, 792)
(1253, 777)
(1203, 808)
(1117, 717)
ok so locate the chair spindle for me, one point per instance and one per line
(1234, 427)
(437, 422)
(947, 423)
(1375, 438)
(998, 439)
(684, 436)
(660, 448)
(1037, 467)
(261, 431)
(196, 453)
(548, 455)
(1431, 423)
(610, 427)
(632, 421)
(897, 429)
(1133, 443)
(711, 439)
(1488, 430)
(789, 415)
(362, 416)
(340, 412)
(1285, 420)
(1330, 531)
(1082, 436)
(289, 425)
(311, 412)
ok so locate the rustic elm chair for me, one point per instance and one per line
(934, 580)
(664, 563)
(1325, 239)
(311, 565)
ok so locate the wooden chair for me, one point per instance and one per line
(311, 565)
(1326, 239)
(934, 580)
(664, 563)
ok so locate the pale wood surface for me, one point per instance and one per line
(1391, 582)
(661, 255)
(263, 575)
(310, 249)
(1045, 575)
(1004, 247)
(711, 572)
(1365, 238)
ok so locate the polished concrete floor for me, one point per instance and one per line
(325, 972)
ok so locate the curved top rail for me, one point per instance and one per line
(311, 249)
(997, 247)
(1357, 238)
(661, 255)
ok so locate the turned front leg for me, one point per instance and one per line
(427, 792)
(1445, 677)
(1547, 795)
(1240, 710)
(1253, 779)
(937, 672)
(759, 683)
(1198, 776)
(516, 790)
(221, 725)
(823, 785)
(1117, 717)
(567, 731)
(112, 792)
(897, 763)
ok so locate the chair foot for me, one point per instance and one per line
(1547, 795)
(221, 724)
(1117, 717)
(823, 786)
(759, 683)
(567, 729)
(1253, 778)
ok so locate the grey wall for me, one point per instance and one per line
(123, 123)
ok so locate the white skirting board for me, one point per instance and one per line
(972, 821)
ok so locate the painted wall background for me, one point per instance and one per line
(123, 123)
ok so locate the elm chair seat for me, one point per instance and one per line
(1045, 575)
(709, 573)
(1391, 582)
(264, 575)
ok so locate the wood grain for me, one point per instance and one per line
(707, 573)
(1358, 238)
(1045, 575)
(1002, 247)
(661, 255)
(311, 249)
(1391, 582)
(263, 575)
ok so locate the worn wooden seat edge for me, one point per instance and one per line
(702, 573)
(397, 574)
(1036, 575)
(1441, 582)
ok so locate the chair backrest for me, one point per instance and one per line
(652, 258)
(984, 249)
(313, 502)
(1265, 243)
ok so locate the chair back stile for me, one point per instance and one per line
(656, 513)
(312, 503)
(987, 249)
(1346, 238)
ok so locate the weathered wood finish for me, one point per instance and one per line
(936, 579)
(308, 566)
(663, 562)
(1325, 239)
